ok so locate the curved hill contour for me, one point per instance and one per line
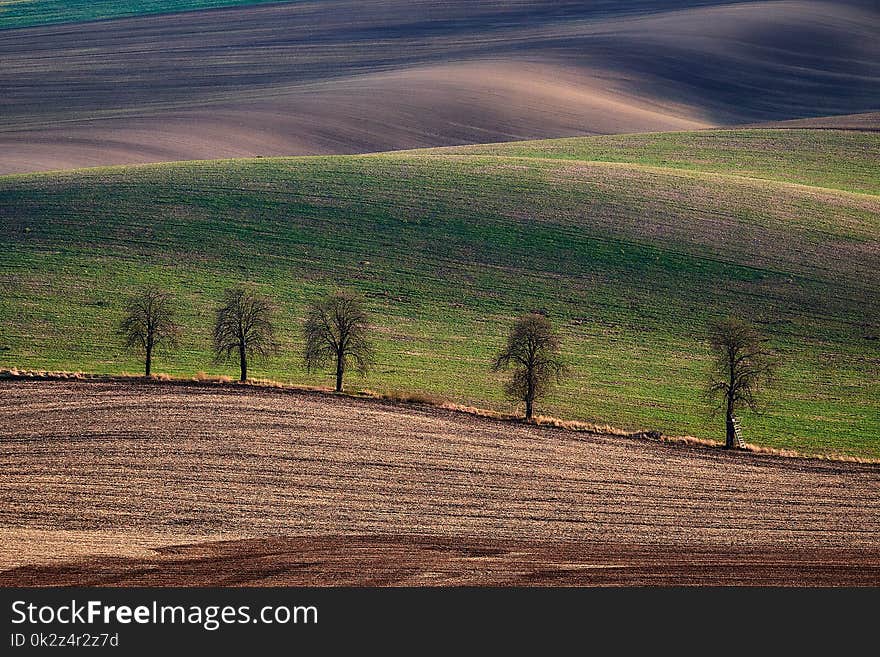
(348, 77)
(629, 259)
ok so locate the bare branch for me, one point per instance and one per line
(149, 324)
(742, 367)
(533, 350)
(336, 332)
(243, 325)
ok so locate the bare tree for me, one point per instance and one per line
(244, 325)
(743, 364)
(337, 331)
(148, 324)
(533, 352)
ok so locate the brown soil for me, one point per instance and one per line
(100, 481)
(441, 561)
(347, 77)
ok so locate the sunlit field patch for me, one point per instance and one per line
(628, 261)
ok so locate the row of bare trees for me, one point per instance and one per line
(336, 332)
(742, 365)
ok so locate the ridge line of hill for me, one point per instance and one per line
(426, 153)
(625, 164)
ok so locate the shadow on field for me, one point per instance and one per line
(424, 561)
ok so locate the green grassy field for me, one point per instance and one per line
(839, 159)
(25, 13)
(629, 260)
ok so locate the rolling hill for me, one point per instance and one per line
(834, 159)
(865, 121)
(332, 77)
(629, 258)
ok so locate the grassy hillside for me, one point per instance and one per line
(840, 159)
(629, 260)
(25, 13)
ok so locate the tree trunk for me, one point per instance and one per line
(730, 439)
(530, 394)
(339, 371)
(149, 361)
(730, 443)
(242, 353)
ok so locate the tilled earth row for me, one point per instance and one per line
(115, 483)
